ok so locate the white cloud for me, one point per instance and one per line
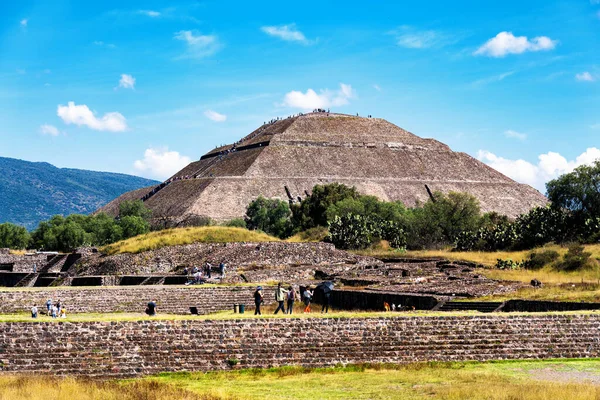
(585, 77)
(24, 22)
(549, 166)
(506, 43)
(102, 44)
(377, 87)
(161, 163)
(49, 130)
(82, 115)
(595, 126)
(492, 79)
(325, 99)
(286, 32)
(411, 38)
(215, 116)
(198, 45)
(515, 135)
(150, 13)
(127, 81)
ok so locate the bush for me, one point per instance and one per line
(355, 232)
(350, 232)
(507, 264)
(575, 259)
(269, 215)
(312, 211)
(537, 260)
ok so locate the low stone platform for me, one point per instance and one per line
(135, 348)
(171, 300)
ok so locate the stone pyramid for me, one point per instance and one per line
(284, 159)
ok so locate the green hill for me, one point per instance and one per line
(31, 192)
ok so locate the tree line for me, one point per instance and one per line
(68, 233)
(356, 221)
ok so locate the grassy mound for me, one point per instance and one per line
(179, 236)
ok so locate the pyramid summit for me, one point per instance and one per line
(285, 158)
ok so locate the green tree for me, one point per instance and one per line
(13, 236)
(312, 210)
(269, 215)
(134, 208)
(369, 206)
(578, 191)
(133, 225)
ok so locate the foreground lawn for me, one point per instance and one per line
(502, 381)
(514, 380)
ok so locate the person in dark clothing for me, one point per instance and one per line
(222, 270)
(207, 269)
(326, 302)
(258, 300)
(291, 297)
(151, 308)
(280, 295)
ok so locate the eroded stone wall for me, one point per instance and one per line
(132, 348)
(171, 300)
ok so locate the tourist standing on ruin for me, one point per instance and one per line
(280, 295)
(207, 269)
(222, 270)
(258, 300)
(291, 297)
(34, 311)
(308, 294)
(48, 306)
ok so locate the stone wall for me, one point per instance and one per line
(171, 300)
(132, 348)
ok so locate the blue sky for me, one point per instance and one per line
(145, 87)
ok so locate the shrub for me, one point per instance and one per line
(312, 211)
(538, 260)
(507, 264)
(269, 215)
(575, 259)
(353, 231)
(350, 231)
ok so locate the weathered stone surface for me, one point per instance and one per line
(238, 256)
(171, 300)
(133, 348)
(372, 154)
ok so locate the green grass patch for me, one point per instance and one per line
(470, 380)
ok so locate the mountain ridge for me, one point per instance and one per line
(33, 191)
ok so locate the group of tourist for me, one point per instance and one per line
(199, 276)
(290, 295)
(54, 310)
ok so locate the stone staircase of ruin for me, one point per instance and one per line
(105, 350)
(133, 299)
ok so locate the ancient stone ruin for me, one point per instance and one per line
(285, 158)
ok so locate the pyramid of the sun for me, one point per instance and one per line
(294, 154)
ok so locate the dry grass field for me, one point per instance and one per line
(180, 236)
(514, 380)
